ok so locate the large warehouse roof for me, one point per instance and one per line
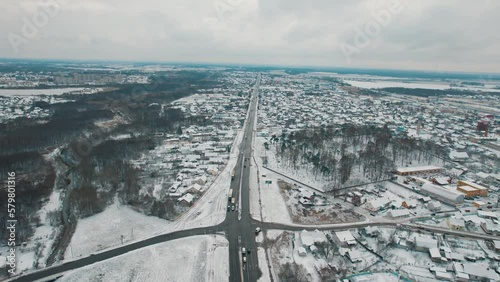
(418, 168)
(443, 193)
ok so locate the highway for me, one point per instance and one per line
(241, 231)
(238, 225)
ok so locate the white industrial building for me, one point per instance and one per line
(443, 194)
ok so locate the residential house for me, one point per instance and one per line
(435, 255)
(308, 239)
(456, 224)
(345, 238)
(194, 189)
(201, 180)
(399, 213)
(423, 244)
(491, 228)
(458, 156)
(497, 245)
(354, 256)
(186, 200)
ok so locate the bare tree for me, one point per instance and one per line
(292, 272)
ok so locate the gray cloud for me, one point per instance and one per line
(433, 35)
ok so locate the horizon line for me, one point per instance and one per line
(277, 66)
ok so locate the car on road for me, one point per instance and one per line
(257, 230)
(232, 208)
(228, 208)
(243, 250)
(244, 259)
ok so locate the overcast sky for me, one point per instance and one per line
(440, 35)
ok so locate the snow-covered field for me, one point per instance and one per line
(272, 204)
(197, 258)
(34, 92)
(104, 230)
(383, 83)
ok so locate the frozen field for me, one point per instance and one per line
(197, 258)
(35, 92)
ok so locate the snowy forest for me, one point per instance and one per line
(349, 152)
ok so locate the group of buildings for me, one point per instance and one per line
(186, 163)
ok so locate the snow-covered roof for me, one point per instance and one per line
(458, 155)
(487, 214)
(418, 168)
(462, 275)
(379, 202)
(354, 255)
(399, 213)
(482, 175)
(302, 251)
(444, 275)
(434, 252)
(480, 270)
(456, 222)
(187, 197)
(474, 218)
(305, 193)
(467, 188)
(195, 186)
(472, 184)
(424, 242)
(497, 244)
(445, 194)
(442, 180)
(456, 172)
(344, 236)
(309, 238)
(371, 230)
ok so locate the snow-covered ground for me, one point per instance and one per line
(261, 252)
(376, 277)
(383, 84)
(272, 204)
(302, 174)
(374, 84)
(197, 258)
(104, 230)
(33, 92)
